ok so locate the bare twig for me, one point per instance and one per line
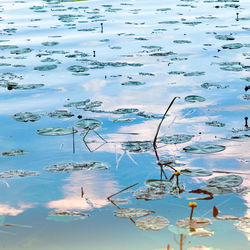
(82, 192)
(122, 190)
(73, 139)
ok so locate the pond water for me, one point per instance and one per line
(84, 86)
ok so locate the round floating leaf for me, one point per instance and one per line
(60, 114)
(131, 212)
(45, 67)
(21, 51)
(232, 46)
(196, 222)
(132, 83)
(68, 167)
(196, 172)
(26, 116)
(152, 193)
(178, 230)
(194, 98)
(77, 68)
(175, 139)
(18, 173)
(50, 43)
(55, 131)
(137, 146)
(88, 124)
(123, 111)
(28, 86)
(226, 217)
(215, 124)
(204, 148)
(14, 152)
(152, 223)
(225, 181)
(67, 213)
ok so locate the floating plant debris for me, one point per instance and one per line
(204, 148)
(18, 173)
(196, 73)
(69, 167)
(225, 181)
(26, 116)
(137, 146)
(232, 46)
(131, 212)
(77, 68)
(132, 83)
(215, 124)
(123, 111)
(196, 172)
(207, 85)
(88, 124)
(194, 98)
(60, 114)
(196, 222)
(175, 139)
(45, 67)
(67, 213)
(21, 51)
(55, 131)
(152, 223)
(14, 152)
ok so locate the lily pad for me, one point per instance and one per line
(73, 166)
(132, 83)
(131, 212)
(18, 173)
(196, 172)
(26, 116)
(194, 98)
(60, 114)
(196, 73)
(152, 193)
(56, 131)
(67, 213)
(123, 111)
(204, 148)
(137, 146)
(21, 51)
(207, 85)
(232, 46)
(14, 152)
(89, 124)
(217, 190)
(225, 181)
(156, 183)
(77, 104)
(175, 139)
(45, 67)
(200, 232)
(152, 223)
(77, 68)
(215, 124)
(196, 222)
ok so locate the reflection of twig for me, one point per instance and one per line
(157, 132)
(122, 190)
(73, 139)
(86, 143)
(130, 157)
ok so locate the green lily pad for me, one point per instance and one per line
(50, 43)
(77, 68)
(60, 114)
(225, 181)
(232, 46)
(28, 86)
(207, 85)
(152, 223)
(196, 172)
(217, 190)
(26, 116)
(131, 212)
(77, 104)
(196, 222)
(14, 152)
(153, 192)
(45, 67)
(182, 41)
(21, 51)
(88, 124)
(123, 111)
(200, 232)
(73, 166)
(18, 173)
(215, 124)
(175, 139)
(67, 213)
(196, 73)
(132, 83)
(204, 148)
(56, 131)
(137, 146)
(155, 183)
(194, 98)
(224, 37)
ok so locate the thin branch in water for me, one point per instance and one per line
(122, 190)
(119, 159)
(73, 139)
(82, 192)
